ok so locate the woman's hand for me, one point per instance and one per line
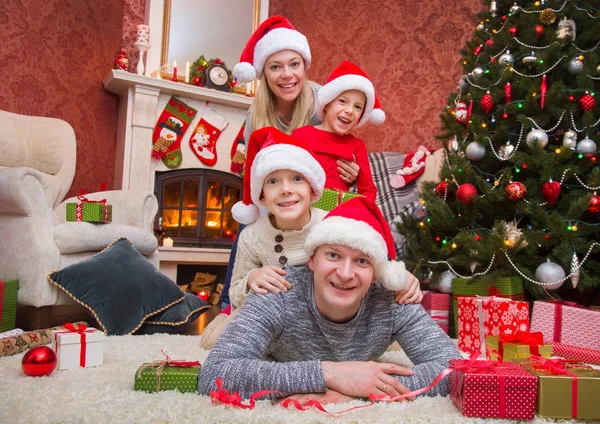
(330, 396)
(268, 278)
(413, 292)
(360, 379)
(348, 170)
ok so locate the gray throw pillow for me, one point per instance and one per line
(119, 286)
(177, 318)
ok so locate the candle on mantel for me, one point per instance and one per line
(203, 295)
(175, 70)
(187, 72)
(168, 242)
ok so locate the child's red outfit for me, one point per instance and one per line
(328, 147)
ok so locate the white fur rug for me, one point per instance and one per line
(105, 394)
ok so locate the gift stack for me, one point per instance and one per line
(572, 330)
(8, 304)
(78, 346)
(508, 287)
(85, 210)
(437, 305)
(167, 375)
(332, 198)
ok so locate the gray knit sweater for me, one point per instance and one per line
(278, 340)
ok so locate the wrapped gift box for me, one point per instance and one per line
(78, 347)
(89, 211)
(509, 350)
(502, 390)
(437, 305)
(479, 317)
(508, 287)
(332, 198)
(17, 343)
(9, 290)
(167, 375)
(577, 353)
(569, 324)
(556, 397)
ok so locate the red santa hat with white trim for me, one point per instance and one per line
(270, 150)
(348, 76)
(275, 34)
(359, 224)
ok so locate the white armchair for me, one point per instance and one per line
(37, 165)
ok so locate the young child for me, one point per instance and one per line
(283, 176)
(346, 102)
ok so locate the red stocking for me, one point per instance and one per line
(203, 141)
(168, 132)
(238, 152)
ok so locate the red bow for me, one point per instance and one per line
(82, 330)
(86, 200)
(533, 340)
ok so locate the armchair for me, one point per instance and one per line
(37, 165)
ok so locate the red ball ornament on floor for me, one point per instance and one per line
(594, 206)
(441, 188)
(39, 361)
(515, 191)
(466, 193)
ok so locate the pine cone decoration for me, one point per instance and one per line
(547, 16)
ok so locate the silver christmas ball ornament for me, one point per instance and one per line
(445, 284)
(530, 59)
(477, 73)
(537, 138)
(507, 59)
(587, 145)
(550, 274)
(570, 139)
(475, 151)
(575, 66)
(505, 151)
(453, 145)
(514, 8)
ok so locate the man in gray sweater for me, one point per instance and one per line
(320, 338)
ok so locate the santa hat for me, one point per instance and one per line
(270, 150)
(414, 167)
(348, 76)
(275, 34)
(359, 224)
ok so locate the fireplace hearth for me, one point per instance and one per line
(195, 207)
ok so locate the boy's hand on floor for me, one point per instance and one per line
(268, 279)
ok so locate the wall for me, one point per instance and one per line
(55, 55)
(410, 49)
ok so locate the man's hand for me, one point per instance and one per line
(348, 170)
(268, 278)
(360, 379)
(330, 396)
(413, 292)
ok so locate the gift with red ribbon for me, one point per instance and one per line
(520, 344)
(479, 317)
(86, 210)
(566, 389)
(78, 346)
(566, 322)
(437, 305)
(167, 374)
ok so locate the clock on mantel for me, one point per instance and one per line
(118, 81)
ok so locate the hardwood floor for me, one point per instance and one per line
(196, 327)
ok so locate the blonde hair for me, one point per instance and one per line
(265, 115)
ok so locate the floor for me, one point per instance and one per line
(196, 327)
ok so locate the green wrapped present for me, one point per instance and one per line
(89, 210)
(332, 198)
(167, 375)
(508, 287)
(9, 290)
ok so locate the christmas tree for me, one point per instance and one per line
(519, 188)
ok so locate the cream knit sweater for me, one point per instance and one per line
(256, 248)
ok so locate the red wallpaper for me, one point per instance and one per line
(410, 49)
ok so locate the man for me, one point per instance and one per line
(318, 340)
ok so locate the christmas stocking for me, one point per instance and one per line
(238, 152)
(203, 141)
(168, 132)
(414, 166)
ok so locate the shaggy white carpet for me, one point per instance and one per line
(105, 394)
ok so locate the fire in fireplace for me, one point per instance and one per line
(195, 207)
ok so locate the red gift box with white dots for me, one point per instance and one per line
(437, 305)
(504, 391)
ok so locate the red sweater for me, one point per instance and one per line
(328, 147)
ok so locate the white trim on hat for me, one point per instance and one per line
(277, 40)
(337, 86)
(285, 156)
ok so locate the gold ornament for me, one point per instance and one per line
(203, 63)
(547, 16)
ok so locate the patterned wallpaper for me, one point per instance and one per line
(56, 54)
(409, 49)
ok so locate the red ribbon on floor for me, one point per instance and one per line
(533, 340)
(82, 330)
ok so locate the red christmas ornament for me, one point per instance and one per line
(507, 93)
(550, 191)
(539, 30)
(571, 98)
(442, 188)
(477, 49)
(196, 81)
(487, 103)
(39, 361)
(587, 102)
(543, 91)
(513, 31)
(515, 191)
(594, 206)
(466, 193)
(489, 42)
(469, 111)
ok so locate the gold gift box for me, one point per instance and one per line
(514, 350)
(555, 392)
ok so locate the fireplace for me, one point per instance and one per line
(195, 207)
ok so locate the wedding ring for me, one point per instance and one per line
(384, 387)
